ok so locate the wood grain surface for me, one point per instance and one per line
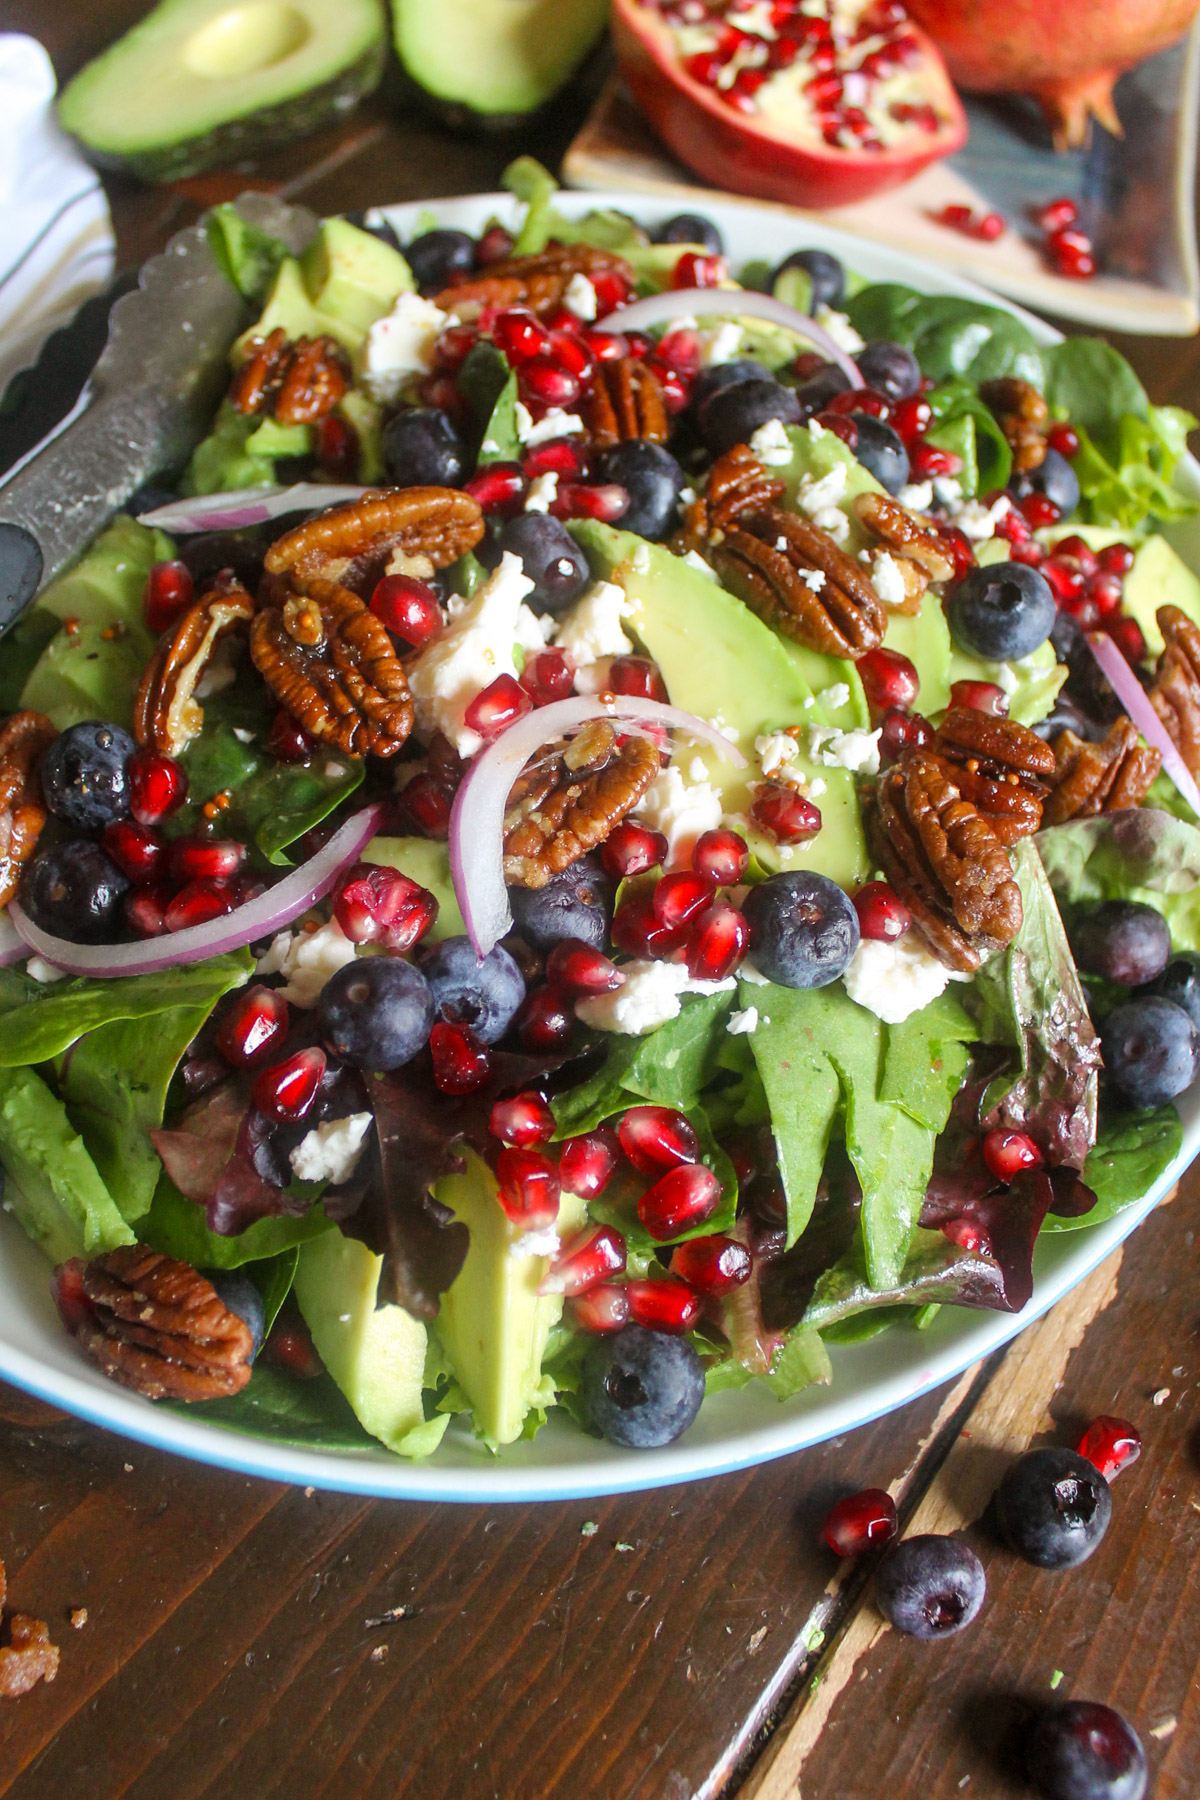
(700, 1642)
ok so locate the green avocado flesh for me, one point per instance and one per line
(495, 58)
(200, 83)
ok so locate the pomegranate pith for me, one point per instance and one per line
(859, 1521)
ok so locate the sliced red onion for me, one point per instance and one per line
(247, 506)
(477, 819)
(256, 919)
(12, 946)
(730, 303)
(1133, 698)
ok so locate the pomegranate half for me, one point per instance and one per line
(1066, 56)
(810, 102)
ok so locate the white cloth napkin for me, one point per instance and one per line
(56, 237)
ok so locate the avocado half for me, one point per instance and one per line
(490, 63)
(204, 82)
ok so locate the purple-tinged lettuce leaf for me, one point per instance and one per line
(1139, 853)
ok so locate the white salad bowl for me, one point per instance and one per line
(735, 1429)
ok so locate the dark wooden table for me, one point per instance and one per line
(700, 1642)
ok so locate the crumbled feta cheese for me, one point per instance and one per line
(543, 490)
(594, 678)
(748, 972)
(330, 1152)
(38, 970)
(697, 769)
(917, 496)
(533, 634)
(742, 1022)
(556, 424)
(839, 328)
(242, 736)
(470, 654)
(579, 297)
(775, 751)
(771, 445)
(334, 771)
(887, 579)
(979, 522)
(402, 344)
(813, 579)
(720, 723)
(819, 491)
(694, 560)
(947, 491)
(489, 447)
(856, 750)
(720, 344)
(833, 520)
(894, 980)
(651, 994)
(681, 810)
(837, 694)
(536, 1243)
(307, 959)
(687, 497)
(592, 627)
(639, 562)
(816, 787)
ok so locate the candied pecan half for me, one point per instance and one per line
(22, 815)
(626, 402)
(409, 530)
(539, 281)
(1001, 767)
(737, 483)
(1175, 695)
(299, 382)
(1022, 416)
(1104, 777)
(345, 686)
(793, 575)
(257, 381)
(156, 1325)
(562, 808)
(166, 713)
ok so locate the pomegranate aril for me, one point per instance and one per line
(638, 676)
(441, 391)
(1056, 214)
(496, 706)
(1063, 438)
(713, 1265)
(544, 382)
(520, 335)
(408, 609)
(611, 288)
(499, 488)
(528, 1188)
(889, 679)
(637, 929)
(337, 448)
(1006, 1153)
(585, 1261)
(925, 460)
(137, 851)
(145, 910)
(912, 417)
(545, 1021)
(1078, 551)
(74, 1305)
(1110, 1444)
(606, 346)
(1038, 510)
(882, 914)
(1011, 525)
(823, 89)
(1115, 559)
(287, 741)
(1028, 550)
(287, 1089)
(569, 351)
(864, 400)
(601, 1309)
(1085, 612)
(900, 731)
(426, 802)
(196, 903)
(676, 388)
(1106, 591)
(495, 245)
(980, 696)
(670, 1306)
(1067, 580)
(783, 814)
(453, 347)
(577, 968)
(603, 500)
(655, 1138)
(548, 676)
(841, 427)
(861, 1520)
(631, 849)
(157, 786)
(200, 859)
(696, 270)
(717, 942)
(587, 1164)
(558, 456)
(957, 545)
(988, 227)
(957, 217)
(378, 905)
(167, 594)
(524, 1121)
(678, 898)
(290, 1347)
(1126, 634)
(460, 1062)
(723, 856)
(255, 1024)
(680, 350)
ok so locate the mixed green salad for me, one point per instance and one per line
(620, 824)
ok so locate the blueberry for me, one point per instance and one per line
(1002, 612)
(74, 892)
(726, 374)
(1053, 477)
(1065, 715)
(814, 395)
(733, 414)
(1053, 1508)
(642, 1388)
(484, 995)
(803, 929)
(890, 369)
(240, 1295)
(824, 271)
(421, 448)
(1122, 940)
(574, 904)
(1151, 1050)
(691, 228)
(552, 560)
(149, 498)
(376, 1012)
(1081, 1750)
(83, 775)
(1180, 983)
(653, 479)
(930, 1586)
(437, 256)
(881, 452)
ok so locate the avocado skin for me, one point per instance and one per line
(257, 132)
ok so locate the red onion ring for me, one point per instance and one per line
(477, 818)
(256, 919)
(1132, 696)
(247, 506)
(730, 303)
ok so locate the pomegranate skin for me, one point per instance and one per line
(1067, 57)
(730, 150)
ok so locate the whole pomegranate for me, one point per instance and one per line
(1066, 56)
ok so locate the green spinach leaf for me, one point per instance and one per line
(949, 336)
(176, 1226)
(934, 1270)
(669, 1067)
(1130, 1153)
(37, 1023)
(489, 387)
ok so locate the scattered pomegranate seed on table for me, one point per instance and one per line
(1111, 1444)
(861, 1520)
(985, 226)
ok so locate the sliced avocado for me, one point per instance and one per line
(426, 861)
(84, 674)
(494, 61)
(366, 416)
(353, 275)
(494, 1324)
(289, 305)
(199, 84)
(55, 1190)
(1159, 578)
(105, 586)
(376, 1354)
(271, 439)
(720, 661)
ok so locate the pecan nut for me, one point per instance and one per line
(1022, 416)
(1001, 767)
(299, 382)
(156, 1325)
(626, 402)
(1104, 777)
(411, 531)
(737, 483)
(539, 281)
(22, 815)
(564, 807)
(1175, 695)
(344, 684)
(914, 547)
(29, 1656)
(166, 713)
(793, 575)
